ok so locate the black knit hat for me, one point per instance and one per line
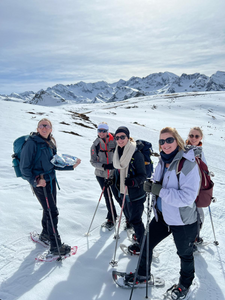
(124, 130)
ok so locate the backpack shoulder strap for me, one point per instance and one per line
(180, 166)
(97, 148)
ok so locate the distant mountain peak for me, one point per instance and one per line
(101, 91)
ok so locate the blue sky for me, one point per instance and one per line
(48, 42)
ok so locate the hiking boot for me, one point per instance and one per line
(198, 240)
(179, 292)
(63, 249)
(134, 249)
(128, 226)
(109, 225)
(129, 279)
(43, 237)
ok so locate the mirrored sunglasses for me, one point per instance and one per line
(192, 136)
(122, 137)
(169, 140)
(102, 130)
(41, 126)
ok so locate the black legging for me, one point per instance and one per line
(46, 222)
(184, 237)
(133, 211)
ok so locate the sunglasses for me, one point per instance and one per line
(44, 126)
(122, 137)
(102, 130)
(192, 136)
(169, 140)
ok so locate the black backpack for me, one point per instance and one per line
(146, 149)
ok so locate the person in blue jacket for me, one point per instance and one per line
(40, 173)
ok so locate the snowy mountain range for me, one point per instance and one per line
(101, 91)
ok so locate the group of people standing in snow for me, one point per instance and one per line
(174, 198)
(121, 173)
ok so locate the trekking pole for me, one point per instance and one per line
(114, 263)
(142, 249)
(147, 256)
(50, 215)
(215, 242)
(111, 207)
(87, 233)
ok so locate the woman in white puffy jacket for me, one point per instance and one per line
(174, 207)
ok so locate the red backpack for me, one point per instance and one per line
(204, 197)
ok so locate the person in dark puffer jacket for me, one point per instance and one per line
(42, 175)
(131, 173)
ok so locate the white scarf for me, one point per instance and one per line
(123, 163)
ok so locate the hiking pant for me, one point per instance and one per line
(46, 221)
(133, 210)
(101, 181)
(184, 237)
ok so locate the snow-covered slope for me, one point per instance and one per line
(87, 275)
(153, 84)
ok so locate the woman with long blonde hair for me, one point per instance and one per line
(174, 209)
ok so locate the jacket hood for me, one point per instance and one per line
(197, 149)
(36, 137)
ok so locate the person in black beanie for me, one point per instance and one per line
(174, 208)
(130, 175)
(124, 130)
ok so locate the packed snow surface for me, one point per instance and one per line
(87, 275)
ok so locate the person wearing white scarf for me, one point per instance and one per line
(130, 171)
(123, 162)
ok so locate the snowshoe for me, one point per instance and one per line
(125, 250)
(126, 280)
(63, 249)
(179, 292)
(198, 241)
(47, 256)
(134, 249)
(40, 239)
(108, 224)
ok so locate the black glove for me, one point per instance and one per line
(156, 188)
(108, 166)
(129, 182)
(147, 186)
(108, 182)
